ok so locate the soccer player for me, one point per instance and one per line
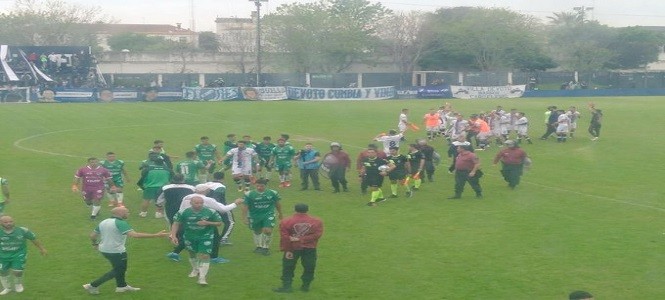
(154, 175)
(299, 236)
(170, 199)
(563, 126)
(192, 167)
(198, 223)
(118, 175)
(432, 122)
(403, 123)
(522, 126)
(207, 154)
(398, 175)
(573, 114)
(374, 176)
(229, 144)
(258, 212)
(459, 127)
(4, 196)
(416, 165)
(13, 253)
(596, 121)
(218, 192)
(242, 160)
(109, 237)
(391, 140)
(264, 152)
(359, 164)
(282, 156)
(90, 180)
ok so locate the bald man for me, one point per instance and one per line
(109, 238)
(13, 252)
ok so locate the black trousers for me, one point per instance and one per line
(429, 169)
(305, 174)
(512, 174)
(227, 219)
(551, 128)
(119, 268)
(338, 176)
(461, 178)
(307, 258)
(594, 129)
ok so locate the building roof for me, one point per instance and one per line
(161, 29)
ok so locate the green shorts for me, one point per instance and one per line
(262, 222)
(15, 263)
(284, 167)
(151, 193)
(199, 245)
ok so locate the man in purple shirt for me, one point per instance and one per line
(90, 180)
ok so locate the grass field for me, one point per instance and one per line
(589, 215)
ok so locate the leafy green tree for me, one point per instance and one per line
(209, 41)
(634, 47)
(402, 36)
(582, 47)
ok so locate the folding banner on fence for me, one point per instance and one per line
(485, 92)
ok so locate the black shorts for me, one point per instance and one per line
(374, 180)
(397, 175)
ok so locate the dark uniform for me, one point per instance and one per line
(399, 172)
(371, 167)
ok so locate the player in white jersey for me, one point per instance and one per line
(403, 123)
(504, 124)
(243, 160)
(495, 125)
(563, 127)
(459, 127)
(391, 140)
(573, 115)
(522, 126)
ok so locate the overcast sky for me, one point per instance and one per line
(610, 12)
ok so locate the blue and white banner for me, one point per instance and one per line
(434, 91)
(486, 92)
(211, 94)
(73, 95)
(267, 93)
(375, 93)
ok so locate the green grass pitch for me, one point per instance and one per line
(589, 215)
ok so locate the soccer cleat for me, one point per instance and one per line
(393, 196)
(371, 204)
(380, 200)
(92, 218)
(225, 242)
(5, 292)
(91, 289)
(173, 256)
(143, 214)
(202, 281)
(409, 194)
(158, 215)
(194, 273)
(594, 138)
(18, 288)
(219, 260)
(126, 288)
(284, 289)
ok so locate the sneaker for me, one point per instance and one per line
(126, 288)
(159, 215)
(219, 260)
(92, 218)
(173, 256)
(143, 214)
(393, 196)
(371, 204)
(194, 273)
(284, 289)
(380, 199)
(5, 292)
(225, 242)
(594, 139)
(91, 289)
(202, 281)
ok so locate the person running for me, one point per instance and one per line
(90, 181)
(596, 122)
(13, 254)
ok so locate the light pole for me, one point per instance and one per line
(581, 11)
(258, 39)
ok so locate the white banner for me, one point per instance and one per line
(485, 92)
(267, 93)
(375, 93)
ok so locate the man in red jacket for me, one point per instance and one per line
(512, 162)
(300, 234)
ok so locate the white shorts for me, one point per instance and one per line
(454, 136)
(401, 127)
(573, 126)
(504, 129)
(246, 171)
(562, 128)
(522, 131)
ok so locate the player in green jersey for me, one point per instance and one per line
(398, 175)
(118, 175)
(282, 157)
(191, 168)
(229, 144)
(4, 196)
(199, 225)
(264, 151)
(154, 175)
(207, 154)
(13, 253)
(259, 213)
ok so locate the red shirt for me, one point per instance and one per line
(363, 155)
(465, 161)
(511, 156)
(343, 159)
(301, 225)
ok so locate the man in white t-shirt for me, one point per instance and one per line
(243, 161)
